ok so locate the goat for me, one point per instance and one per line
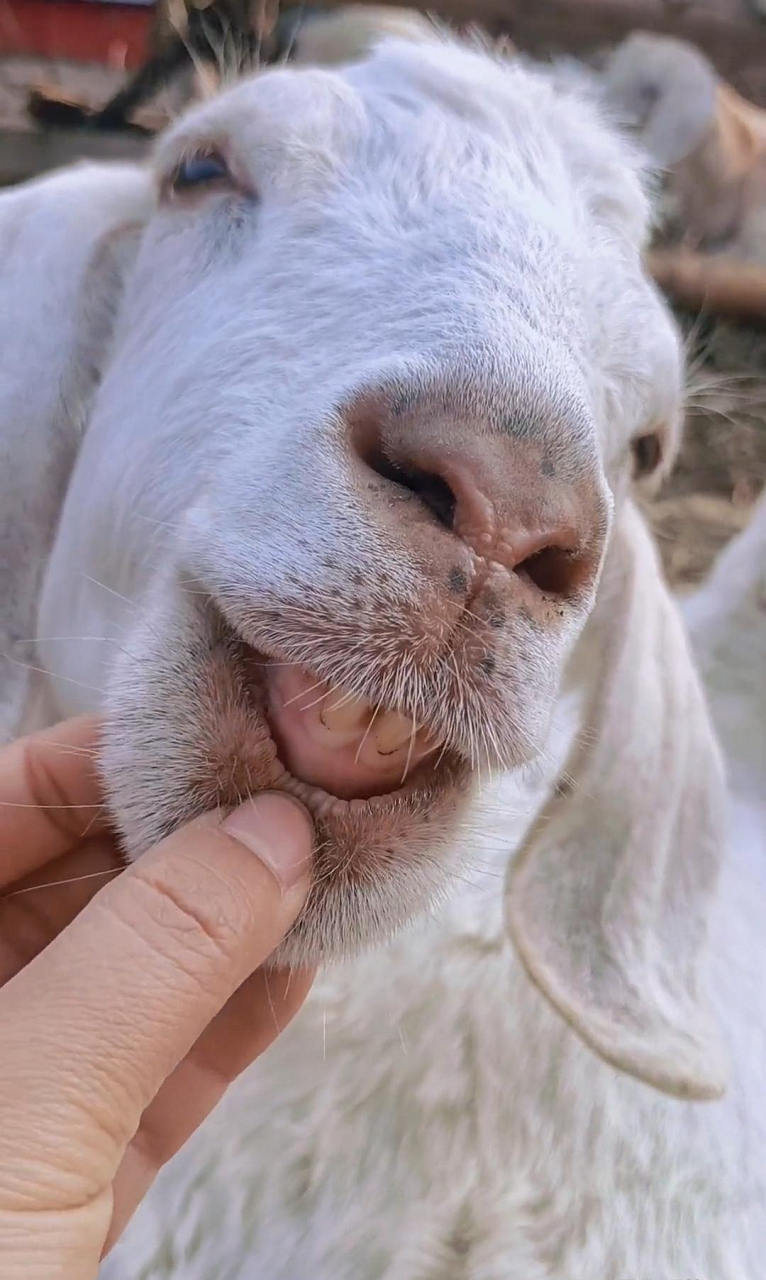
(711, 141)
(323, 435)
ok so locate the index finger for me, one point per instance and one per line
(50, 796)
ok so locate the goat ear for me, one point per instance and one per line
(608, 897)
(62, 262)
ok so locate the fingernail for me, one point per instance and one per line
(277, 829)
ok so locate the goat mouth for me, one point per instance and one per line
(240, 720)
(329, 738)
(336, 750)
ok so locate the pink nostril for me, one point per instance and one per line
(432, 489)
(556, 570)
(455, 487)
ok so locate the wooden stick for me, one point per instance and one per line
(710, 282)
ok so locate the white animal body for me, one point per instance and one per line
(357, 379)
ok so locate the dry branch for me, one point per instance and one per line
(717, 284)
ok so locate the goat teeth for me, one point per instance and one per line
(391, 731)
(331, 739)
(343, 710)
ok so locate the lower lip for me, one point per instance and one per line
(345, 764)
(328, 761)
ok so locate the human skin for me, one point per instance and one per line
(129, 998)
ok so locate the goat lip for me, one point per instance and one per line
(345, 763)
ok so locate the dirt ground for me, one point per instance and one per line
(722, 466)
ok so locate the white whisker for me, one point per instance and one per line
(52, 675)
(20, 804)
(55, 884)
(410, 749)
(304, 694)
(366, 733)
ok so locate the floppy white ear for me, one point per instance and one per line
(61, 266)
(667, 88)
(607, 900)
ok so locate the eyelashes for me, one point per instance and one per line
(204, 171)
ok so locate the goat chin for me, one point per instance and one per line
(352, 394)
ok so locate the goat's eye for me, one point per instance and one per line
(200, 171)
(647, 453)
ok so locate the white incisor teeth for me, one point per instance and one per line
(343, 710)
(343, 719)
(392, 731)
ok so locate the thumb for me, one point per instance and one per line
(95, 1024)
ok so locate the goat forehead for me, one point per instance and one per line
(446, 109)
(444, 169)
(444, 166)
(394, 257)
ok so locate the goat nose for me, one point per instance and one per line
(495, 493)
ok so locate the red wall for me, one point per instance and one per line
(79, 29)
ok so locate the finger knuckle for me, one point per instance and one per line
(190, 913)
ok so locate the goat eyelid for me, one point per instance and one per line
(202, 169)
(647, 453)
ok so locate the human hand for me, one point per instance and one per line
(126, 1009)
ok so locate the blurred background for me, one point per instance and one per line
(685, 78)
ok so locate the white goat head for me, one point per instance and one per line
(383, 368)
